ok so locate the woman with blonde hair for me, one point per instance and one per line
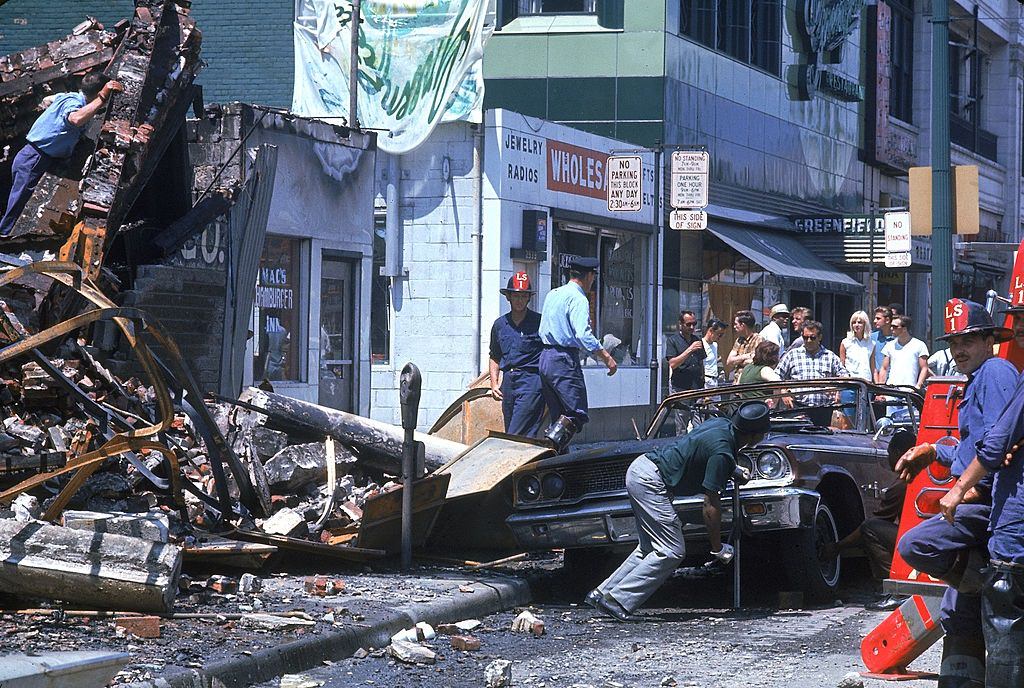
(858, 349)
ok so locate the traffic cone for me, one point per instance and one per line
(901, 638)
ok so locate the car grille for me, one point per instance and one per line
(598, 476)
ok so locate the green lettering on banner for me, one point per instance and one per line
(419, 64)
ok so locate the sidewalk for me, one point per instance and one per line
(239, 649)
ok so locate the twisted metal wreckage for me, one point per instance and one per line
(85, 203)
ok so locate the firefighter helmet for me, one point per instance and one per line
(519, 283)
(967, 317)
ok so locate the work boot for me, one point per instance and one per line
(560, 432)
(1002, 620)
(966, 575)
(887, 603)
(963, 662)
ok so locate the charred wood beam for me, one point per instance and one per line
(195, 221)
(379, 445)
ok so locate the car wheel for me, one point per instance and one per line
(811, 570)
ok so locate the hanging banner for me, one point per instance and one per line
(419, 65)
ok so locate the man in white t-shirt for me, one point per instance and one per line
(712, 365)
(904, 359)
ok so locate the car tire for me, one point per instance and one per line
(809, 571)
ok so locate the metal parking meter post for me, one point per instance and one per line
(737, 529)
(410, 400)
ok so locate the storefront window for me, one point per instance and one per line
(617, 305)
(276, 311)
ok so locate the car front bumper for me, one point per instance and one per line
(610, 522)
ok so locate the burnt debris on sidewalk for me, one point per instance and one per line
(110, 448)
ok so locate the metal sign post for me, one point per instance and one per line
(410, 401)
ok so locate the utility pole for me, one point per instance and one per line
(942, 236)
(353, 72)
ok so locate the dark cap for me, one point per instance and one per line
(582, 264)
(519, 283)
(963, 317)
(752, 418)
(1017, 305)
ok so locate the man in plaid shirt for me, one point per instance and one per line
(812, 361)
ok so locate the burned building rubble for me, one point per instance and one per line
(105, 427)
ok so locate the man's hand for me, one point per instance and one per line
(612, 365)
(694, 348)
(916, 458)
(950, 501)
(109, 89)
(725, 554)
(496, 394)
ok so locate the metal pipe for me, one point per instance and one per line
(942, 241)
(392, 218)
(353, 71)
(478, 259)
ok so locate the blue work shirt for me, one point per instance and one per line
(565, 319)
(516, 346)
(880, 341)
(1007, 519)
(52, 133)
(987, 392)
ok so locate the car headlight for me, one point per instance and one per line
(744, 461)
(772, 465)
(529, 488)
(552, 486)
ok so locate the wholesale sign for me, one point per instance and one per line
(576, 170)
(419, 65)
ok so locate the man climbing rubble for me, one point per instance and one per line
(52, 137)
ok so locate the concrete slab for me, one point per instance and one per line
(60, 669)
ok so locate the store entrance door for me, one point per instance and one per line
(338, 319)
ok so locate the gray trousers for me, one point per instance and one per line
(661, 547)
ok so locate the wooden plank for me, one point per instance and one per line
(381, 525)
(481, 467)
(355, 555)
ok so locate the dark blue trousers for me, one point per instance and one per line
(27, 169)
(563, 381)
(522, 402)
(932, 547)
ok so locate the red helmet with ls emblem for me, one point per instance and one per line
(519, 283)
(967, 317)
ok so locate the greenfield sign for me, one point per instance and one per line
(419, 65)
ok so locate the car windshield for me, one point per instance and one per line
(809, 406)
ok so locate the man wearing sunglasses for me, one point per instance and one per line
(812, 361)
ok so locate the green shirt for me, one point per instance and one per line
(701, 461)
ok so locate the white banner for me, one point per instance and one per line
(419, 65)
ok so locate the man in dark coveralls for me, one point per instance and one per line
(1002, 605)
(953, 551)
(515, 354)
(564, 330)
(701, 462)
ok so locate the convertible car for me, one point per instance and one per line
(814, 477)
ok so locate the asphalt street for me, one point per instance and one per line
(692, 638)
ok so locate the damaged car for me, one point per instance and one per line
(814, 478)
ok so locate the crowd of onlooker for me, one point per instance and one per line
(881, 349)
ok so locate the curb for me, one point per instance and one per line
(490, 597)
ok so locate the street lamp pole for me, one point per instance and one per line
(942, 239)
(353, 72)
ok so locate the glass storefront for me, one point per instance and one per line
(277, 310)
(618, 303)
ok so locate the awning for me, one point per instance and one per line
(783, 256)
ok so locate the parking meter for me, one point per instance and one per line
(409, 395)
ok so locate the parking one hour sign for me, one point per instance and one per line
(689, 179)
(624, 173)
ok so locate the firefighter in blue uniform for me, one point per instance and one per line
(564, 330)
(1002, 607)
(953, 551)
(515, 354)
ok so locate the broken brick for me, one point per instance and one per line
(465, 643)
(140, 626)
